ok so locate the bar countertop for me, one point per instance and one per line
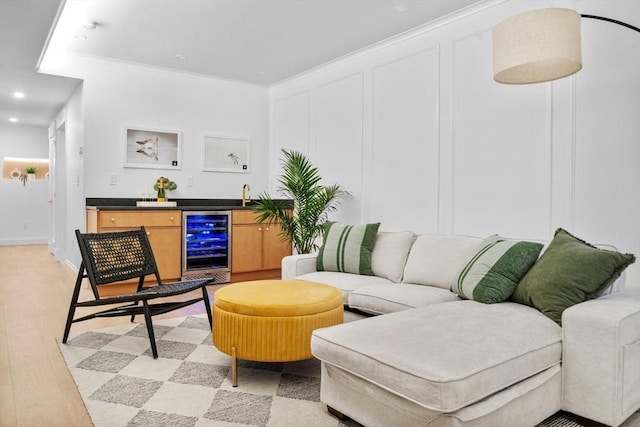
(119, 204)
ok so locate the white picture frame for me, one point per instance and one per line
(152, 148)
(224, 153)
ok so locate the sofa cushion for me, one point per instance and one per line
(390, 254)
(347, 248)
(436, 260)
(491, 275)
(569, 272)
(382, 299)
(346, 282)
(462, 351)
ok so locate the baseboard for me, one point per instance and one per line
(24, 241)
(69, 264)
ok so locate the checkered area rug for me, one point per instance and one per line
(190, 382)
(189, 385)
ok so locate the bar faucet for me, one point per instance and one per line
(245, 194)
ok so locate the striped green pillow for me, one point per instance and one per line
(493, 273)
(347, 248)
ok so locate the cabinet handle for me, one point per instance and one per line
(171, 219)
(148, 233)
(266, 229)
(259, 228)
(113, 220)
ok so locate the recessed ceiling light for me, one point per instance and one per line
(180, 57)
(18, 95)
(80, 37)
(13, 120)
(260, 72)
(401, 8)
(89, 25)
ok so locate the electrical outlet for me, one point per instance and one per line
(113, 179)
(189, 181)
(25, 225)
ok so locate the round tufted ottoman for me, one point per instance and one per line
(272, 320)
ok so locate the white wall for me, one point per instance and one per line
(24, 212)
(425, 139)
(70, 179)
(116, 95)
(119, 95)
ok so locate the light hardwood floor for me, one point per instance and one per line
(36, 388)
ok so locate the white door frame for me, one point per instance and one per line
(53, 248)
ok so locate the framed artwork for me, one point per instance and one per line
(152, 148)
(225, 154)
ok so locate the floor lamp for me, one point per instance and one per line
(540, 45)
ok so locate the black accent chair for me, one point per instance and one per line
(124, 255)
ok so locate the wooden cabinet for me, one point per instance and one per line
(164, 228)
(256, 249)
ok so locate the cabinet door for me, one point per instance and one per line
(165, 243)
(273, 248)
(246, 248)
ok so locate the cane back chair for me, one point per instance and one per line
(125, 255)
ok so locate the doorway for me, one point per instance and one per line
(57, 191)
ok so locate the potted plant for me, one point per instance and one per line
(163, 185)
(312, 202)
(31, 172)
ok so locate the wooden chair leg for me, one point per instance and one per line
(152, 337)
(207, 305)
(72, 306)
(133, 316)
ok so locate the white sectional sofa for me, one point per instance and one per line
(429, 358)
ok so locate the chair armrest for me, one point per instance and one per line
(601, 358)
(297, 265)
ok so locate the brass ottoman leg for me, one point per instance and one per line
(234, 368)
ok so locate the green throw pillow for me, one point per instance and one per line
(347, 248)
(494, 271)
(569, 272)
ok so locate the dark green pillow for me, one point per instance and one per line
(569, 272)
(493, 273)
(347, 248)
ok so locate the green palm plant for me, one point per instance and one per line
(312, 202)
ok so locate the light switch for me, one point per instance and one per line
(189, 181)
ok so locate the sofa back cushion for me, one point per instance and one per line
(390, 254)
(436, 260)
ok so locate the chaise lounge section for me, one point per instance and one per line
(429, 357)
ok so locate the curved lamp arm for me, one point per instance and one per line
(615, 21)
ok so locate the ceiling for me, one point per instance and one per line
(256, 41)
(24, 25)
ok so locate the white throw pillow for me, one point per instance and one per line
(435, 260)
(390, 254)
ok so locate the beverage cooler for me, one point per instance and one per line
(206, 245)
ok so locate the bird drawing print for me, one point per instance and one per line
(149, 147)
(234, 158)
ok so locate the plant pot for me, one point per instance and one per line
(31, 176)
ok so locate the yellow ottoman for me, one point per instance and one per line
(272, 320)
